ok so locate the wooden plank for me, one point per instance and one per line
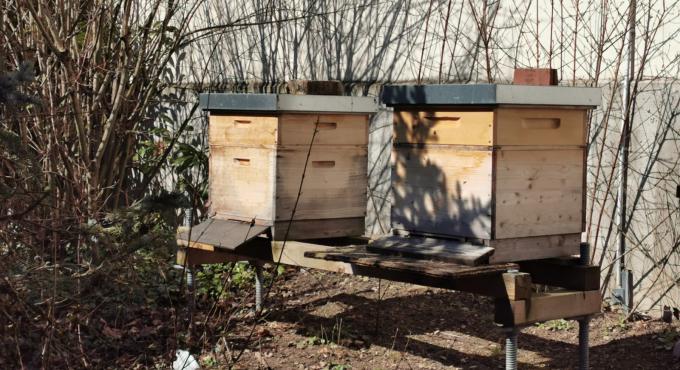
(318, 229)
(432, 249)
(242, 130)
(241, 183)
(294, 254)
(484, 280)
(563, 273)
(360, 255)
(518, 285)
(442, 190)
(548, 306)
(197, 257)
(224, 234)
(334, 186)
(536, 247)
(333, 129)
(443, 127)
(531, 126)
(538, 192)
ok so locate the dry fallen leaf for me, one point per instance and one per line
(112, 332)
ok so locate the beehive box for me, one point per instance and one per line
(500, 165)
(260, 145)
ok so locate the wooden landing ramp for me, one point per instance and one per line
(484, 280)
(223, 234)
(364, 256)
(433, 249)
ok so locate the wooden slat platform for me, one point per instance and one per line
(432, 249)
(516, 302)
(361, 256)
(223, 234)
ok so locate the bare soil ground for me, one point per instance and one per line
(318, 320)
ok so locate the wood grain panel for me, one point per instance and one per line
(334, 185)
(530, 126)
(243, 130)
(442, 190)
(443, 127)
(535, 247)
(334, 129)
(553, 305)
(241, 182)
(320, 229)
(538, 192)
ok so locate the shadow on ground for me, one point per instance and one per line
(418, 324)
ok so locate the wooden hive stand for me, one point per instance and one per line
(488, 184)
(574, 292)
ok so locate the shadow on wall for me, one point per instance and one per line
(437, 188)
(379, 173)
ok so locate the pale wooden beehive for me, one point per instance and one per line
(497, 164)
(259, 147)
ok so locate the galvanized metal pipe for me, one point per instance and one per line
(258, 287)
(584, 257)
(583, 345)
(584, 322)
(626, 107)
(511, 348)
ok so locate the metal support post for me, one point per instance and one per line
(511, 348)
(258, 286)
(623, 294)
(584, 322)
(583, 345)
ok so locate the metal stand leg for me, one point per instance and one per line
(511, 348)
(191, 289)
(583, 345)
(258, 287)
(584, 322)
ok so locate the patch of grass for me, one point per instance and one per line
(496, 351)
(309, 342)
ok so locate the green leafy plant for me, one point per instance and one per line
(213, 278)
(667, 339)
(310, 341)
(556, 325)
(338, 367)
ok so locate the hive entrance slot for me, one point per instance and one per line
(541, 123)
(327, 125)
(442, 118)
(323, 164)
(242, 122)
(242, 161)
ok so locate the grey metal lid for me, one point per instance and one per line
(287, 103)
(490, 94)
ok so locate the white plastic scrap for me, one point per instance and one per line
(185, 361)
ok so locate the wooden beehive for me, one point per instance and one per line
(260, 145)
(497, 164)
